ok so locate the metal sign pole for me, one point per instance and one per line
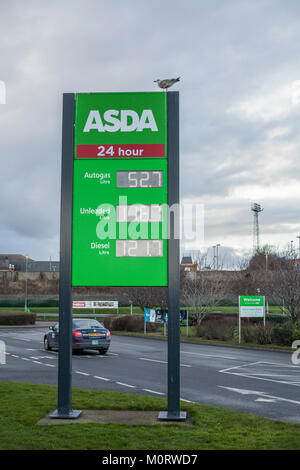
(64, 409)
(187, 323)
(173, 413)
(239, 320)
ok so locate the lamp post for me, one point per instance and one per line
(217, 255)
(26, 278)
(298, 236)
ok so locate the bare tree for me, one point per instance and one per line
(148, 297)
(203, 292)
(283, 287)
(278, 277)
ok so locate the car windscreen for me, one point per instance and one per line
(87, 324)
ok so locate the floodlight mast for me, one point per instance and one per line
(256, 208)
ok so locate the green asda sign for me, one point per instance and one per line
(119, 181)
(120, 190)
(117, 119)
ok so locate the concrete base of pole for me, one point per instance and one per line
(166, 416)
(72, 414)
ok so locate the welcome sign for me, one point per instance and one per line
(251, 306)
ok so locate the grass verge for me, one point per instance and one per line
(49, 310)
(22, 405)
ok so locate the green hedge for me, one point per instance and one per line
(283, 334)
(17, 318)
(273, 317)
(133, 323)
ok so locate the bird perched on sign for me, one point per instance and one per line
(167, 82)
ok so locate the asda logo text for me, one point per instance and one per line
(125, 120)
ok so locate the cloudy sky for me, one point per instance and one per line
(240, 106)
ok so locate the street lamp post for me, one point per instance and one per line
(214, 257)
(217, 255)
(298, 236)
(26, 278)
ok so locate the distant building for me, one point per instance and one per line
(292, 263)
(19, 263)
(7, 261)
(187, 265)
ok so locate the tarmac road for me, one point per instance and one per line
(262, 382)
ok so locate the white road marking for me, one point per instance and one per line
(152, 360)
(81, 373)
(101, 378)
(209, 355)
(237, 367)
(126, 385)
(257, 375)
(266, 400)
(152, 391)
(161, 362)
(261, 394)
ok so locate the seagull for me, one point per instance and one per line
(167, 82)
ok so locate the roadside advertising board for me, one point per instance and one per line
(95, 304)
(150, 315)
(120, 190)
(251, 306)
(119, 225)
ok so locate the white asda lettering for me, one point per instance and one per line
(125, 120)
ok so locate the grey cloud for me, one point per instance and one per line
(226, 52)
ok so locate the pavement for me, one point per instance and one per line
(112, 416)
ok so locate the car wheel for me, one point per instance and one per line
(46, 345)
(102, 351)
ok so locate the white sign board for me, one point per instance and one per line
(95, 304)
(252, 312)
(251, 306)
(150, 315)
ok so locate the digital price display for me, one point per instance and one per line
(120, 190)
(140, 213)
(139, 179)
(139, 248)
